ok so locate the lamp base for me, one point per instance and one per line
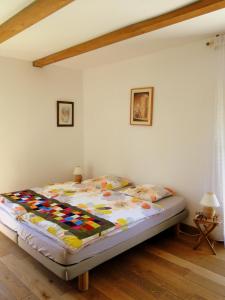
(209, 212)
(78, 178)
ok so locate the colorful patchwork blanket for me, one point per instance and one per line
(75, 216)
(79, 222)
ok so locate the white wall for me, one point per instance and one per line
(33, 151)
(176, 150)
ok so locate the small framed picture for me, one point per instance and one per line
(65, 114)
(141, 106)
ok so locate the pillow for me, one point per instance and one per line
(108, 182)
(149, 192)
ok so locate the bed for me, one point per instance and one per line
(68, 264)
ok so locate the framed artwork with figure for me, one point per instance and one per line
(141, 106)
(65, 114)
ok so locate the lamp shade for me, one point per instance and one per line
(77, 171)
(210, 200)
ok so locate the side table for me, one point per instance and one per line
(205, 227)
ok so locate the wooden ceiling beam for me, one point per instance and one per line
(179, 15)
(30, 15)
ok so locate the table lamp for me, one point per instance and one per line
(209, 202)
(77, 172)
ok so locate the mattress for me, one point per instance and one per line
(49, 247)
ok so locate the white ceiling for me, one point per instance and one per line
(9, 8)
(86, 19)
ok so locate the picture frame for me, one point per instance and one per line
(65, 113)
(141, 106)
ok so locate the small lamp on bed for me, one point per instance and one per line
(209, 202)
(77, 172)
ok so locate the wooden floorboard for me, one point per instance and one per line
(163, 268)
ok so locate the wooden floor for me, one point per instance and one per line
(163, 268)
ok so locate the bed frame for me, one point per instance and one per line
(81, 269)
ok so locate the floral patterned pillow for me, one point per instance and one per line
(149, 192)
(108, 182)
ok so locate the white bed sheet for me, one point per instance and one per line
(50, 248)
(8, 219)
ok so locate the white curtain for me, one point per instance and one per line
(219, 133)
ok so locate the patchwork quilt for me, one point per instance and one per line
(75, 215)
(79, 222)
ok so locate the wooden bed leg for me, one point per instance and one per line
(83, 281)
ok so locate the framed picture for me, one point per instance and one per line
(65, 114)
(141, 106)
